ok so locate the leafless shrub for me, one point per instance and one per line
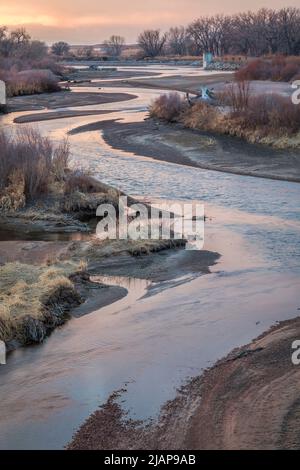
(236, 95)
(152, 42)
(167, 107)
(29, 82)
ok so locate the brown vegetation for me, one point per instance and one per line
(34, 299)
(167, 107)
(253, 34)
(29, 82)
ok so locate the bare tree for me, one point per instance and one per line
(60, 48)
(152, 42)
(114, 45)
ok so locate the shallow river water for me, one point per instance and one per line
(153, 343)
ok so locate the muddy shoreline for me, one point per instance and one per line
(248, 400)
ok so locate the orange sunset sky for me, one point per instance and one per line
(92, 21)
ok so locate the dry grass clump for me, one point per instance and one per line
(145, 247)
(84, 193)
(167, 107)
(33, 300)
(29, 164)
(278, 68)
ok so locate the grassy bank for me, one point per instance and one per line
(40, 192)
(277, 68)
(36, 180)
(266, 119)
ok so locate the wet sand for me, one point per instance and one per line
(175, 144)
(249, 400)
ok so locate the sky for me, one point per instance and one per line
(92, 21)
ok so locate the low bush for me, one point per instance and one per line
(274, 114)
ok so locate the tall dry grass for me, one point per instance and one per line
(277, 68)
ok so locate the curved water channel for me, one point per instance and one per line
(152, 343)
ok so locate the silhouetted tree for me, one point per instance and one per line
(60, 48)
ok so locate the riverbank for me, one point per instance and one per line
(248, 400)
(63, 99)
(40, 197)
